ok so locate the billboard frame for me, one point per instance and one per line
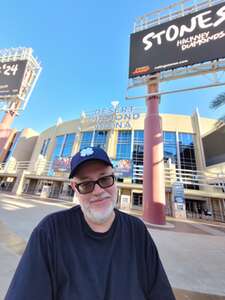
(18, 102)
(164, 15)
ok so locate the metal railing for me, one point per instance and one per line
(191, 179)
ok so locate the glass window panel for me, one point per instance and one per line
(86, 139)
(169, 137)
(138, 147)
(187, 153)
(186, 139)
(100, 139)
(68, 145)
(123, 145)
(170, 146)
(137, 199)
(45, 147)
(58, 146)
(139, 137)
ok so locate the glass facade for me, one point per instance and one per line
(86, 139)
(123, 150)
(185, 159)
(170, 146)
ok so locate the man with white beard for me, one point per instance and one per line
(92, 251)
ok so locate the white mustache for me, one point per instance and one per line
(99, 198)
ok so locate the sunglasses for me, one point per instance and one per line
(88, 186)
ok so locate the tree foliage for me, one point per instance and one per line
(218, 102)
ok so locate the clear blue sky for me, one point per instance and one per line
(84, 50)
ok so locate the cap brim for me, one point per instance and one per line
(73, 172)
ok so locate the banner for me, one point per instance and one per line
(61, 164)
(178, 192)
(122, 168)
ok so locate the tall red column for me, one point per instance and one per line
(6, 134)
(154, 184)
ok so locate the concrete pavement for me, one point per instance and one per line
(193, 253)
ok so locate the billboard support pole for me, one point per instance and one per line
(19, 73)
(9, 116)
(154, 185)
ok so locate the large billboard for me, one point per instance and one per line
(11, 76)
(194, 38)
(214, 147)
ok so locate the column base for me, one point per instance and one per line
(165, 226)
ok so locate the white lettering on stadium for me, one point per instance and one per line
(119, 117)
(117, 121)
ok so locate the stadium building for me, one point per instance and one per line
(194, 159)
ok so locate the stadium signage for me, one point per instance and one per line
(188, 40)
(115, 118)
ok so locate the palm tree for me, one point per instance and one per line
(217, 103)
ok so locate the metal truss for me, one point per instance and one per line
(171, 12)
(18, 102)
(212, 71)
(215, 69)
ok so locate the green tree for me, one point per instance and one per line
(217, 103)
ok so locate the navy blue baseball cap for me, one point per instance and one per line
(86, 154)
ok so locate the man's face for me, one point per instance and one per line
(97, 205)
